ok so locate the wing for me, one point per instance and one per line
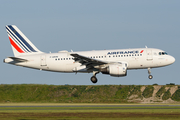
(89, 62)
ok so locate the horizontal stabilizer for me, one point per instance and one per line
(18, 59)
(13, 60)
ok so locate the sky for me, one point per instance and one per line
(81, 25)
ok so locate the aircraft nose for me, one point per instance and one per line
(172, 59)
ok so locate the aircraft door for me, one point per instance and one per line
(149, 55)
(43, 60)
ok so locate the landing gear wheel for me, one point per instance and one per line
(149, 72)
(94, 79)
(150, 76)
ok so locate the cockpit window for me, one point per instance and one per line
(162, 53)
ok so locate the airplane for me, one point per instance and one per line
(111, 62)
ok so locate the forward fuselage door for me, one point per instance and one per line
(43, 60)
(149, 55)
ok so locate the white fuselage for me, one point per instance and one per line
(140, 58)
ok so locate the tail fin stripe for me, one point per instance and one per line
(15, 38)
(18, 39)
(15, 46)
(15, 42)
(22, 39)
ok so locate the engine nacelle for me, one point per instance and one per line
(116, 70)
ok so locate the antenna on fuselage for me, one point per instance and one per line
(146, 46)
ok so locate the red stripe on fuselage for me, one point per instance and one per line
(142, 51)
(15, 46)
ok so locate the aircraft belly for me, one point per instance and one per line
(62, 66)
(135, 63)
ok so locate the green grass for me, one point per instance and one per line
(101, 96)
(176, 95)
(148, 91)
(125, 112)
(78, 94)
(161, 91)
(166, 95)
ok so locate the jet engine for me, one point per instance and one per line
(116, 70)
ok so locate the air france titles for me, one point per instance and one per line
(122, 52)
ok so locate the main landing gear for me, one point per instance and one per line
(93, 78)
(149, 72)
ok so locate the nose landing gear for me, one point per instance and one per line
(150, 76)
(149, 72)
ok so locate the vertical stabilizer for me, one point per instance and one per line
(21, 45)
